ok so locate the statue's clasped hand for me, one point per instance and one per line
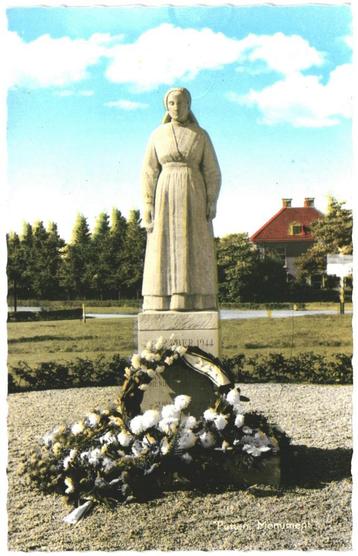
(211, 211)
(148, 217)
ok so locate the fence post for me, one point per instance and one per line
(341, 296)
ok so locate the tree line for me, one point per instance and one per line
(107, 262)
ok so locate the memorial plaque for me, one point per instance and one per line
(190, 329)
(179, 379)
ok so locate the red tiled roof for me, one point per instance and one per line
(278, 227)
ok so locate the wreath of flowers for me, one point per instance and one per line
(117, 455)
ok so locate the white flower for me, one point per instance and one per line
(71, 456)
(136, 424)
(66, 462)
(233, 397)
(159, 343)
(47, 438)
(207, 439)
(181, 350)
(77, 428)
(220, 421)
(108, 463)
(160, 369)
(170, 412)
(124, 438)
(107, 438)
(164, 446)
(182, 402)
(254, 450)
(210, 414)
(246, 430)
(143, 387)
(77, 513)
(70, 486)
(148, 345)
(239, 421)
(151, 373)
(188, 421)
(187, 440)
(139, 448)
(169, 360)
(168, 426)
(187, 457)
(150, 418)
(146, 354)
(93, 419)
(135, 361)
(94, 456)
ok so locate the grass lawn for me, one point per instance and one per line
(36, 342)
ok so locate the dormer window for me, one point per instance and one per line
(296, 229)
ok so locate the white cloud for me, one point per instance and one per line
(70, 93)
(86, 93)
(302, 100)
(168, 53)
(47, 62)
(64, 93)
(281, 53)
(348, 41)
(126, 104)
(162, 55)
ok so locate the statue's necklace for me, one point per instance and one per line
(181, 156)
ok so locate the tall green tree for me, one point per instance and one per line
(40, 272)
(133, 259)
(54, 262)
(15, 266)
(102, 266)
(26, 242)
(332, 235)
(118, 234)
(77, 269)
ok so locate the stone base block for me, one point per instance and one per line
(194, 328)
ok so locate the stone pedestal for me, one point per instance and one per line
(196, 328)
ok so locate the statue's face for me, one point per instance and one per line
(178, 107)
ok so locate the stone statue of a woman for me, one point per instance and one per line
(180, 181)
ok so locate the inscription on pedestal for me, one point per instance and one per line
(200, 329)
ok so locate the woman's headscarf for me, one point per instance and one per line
(167, 118)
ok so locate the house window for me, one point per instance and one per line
(295, 229)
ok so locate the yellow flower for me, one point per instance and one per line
(104, 449)
(116, 421)
(56, 448)
(70, 486)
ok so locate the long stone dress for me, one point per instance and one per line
(181, 175)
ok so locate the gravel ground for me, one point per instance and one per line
(313, 512)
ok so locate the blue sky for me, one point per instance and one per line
(271, 85)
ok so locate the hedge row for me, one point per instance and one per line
(307, 367)
(60, 314)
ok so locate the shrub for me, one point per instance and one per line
(306, 367)
(72, 374)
